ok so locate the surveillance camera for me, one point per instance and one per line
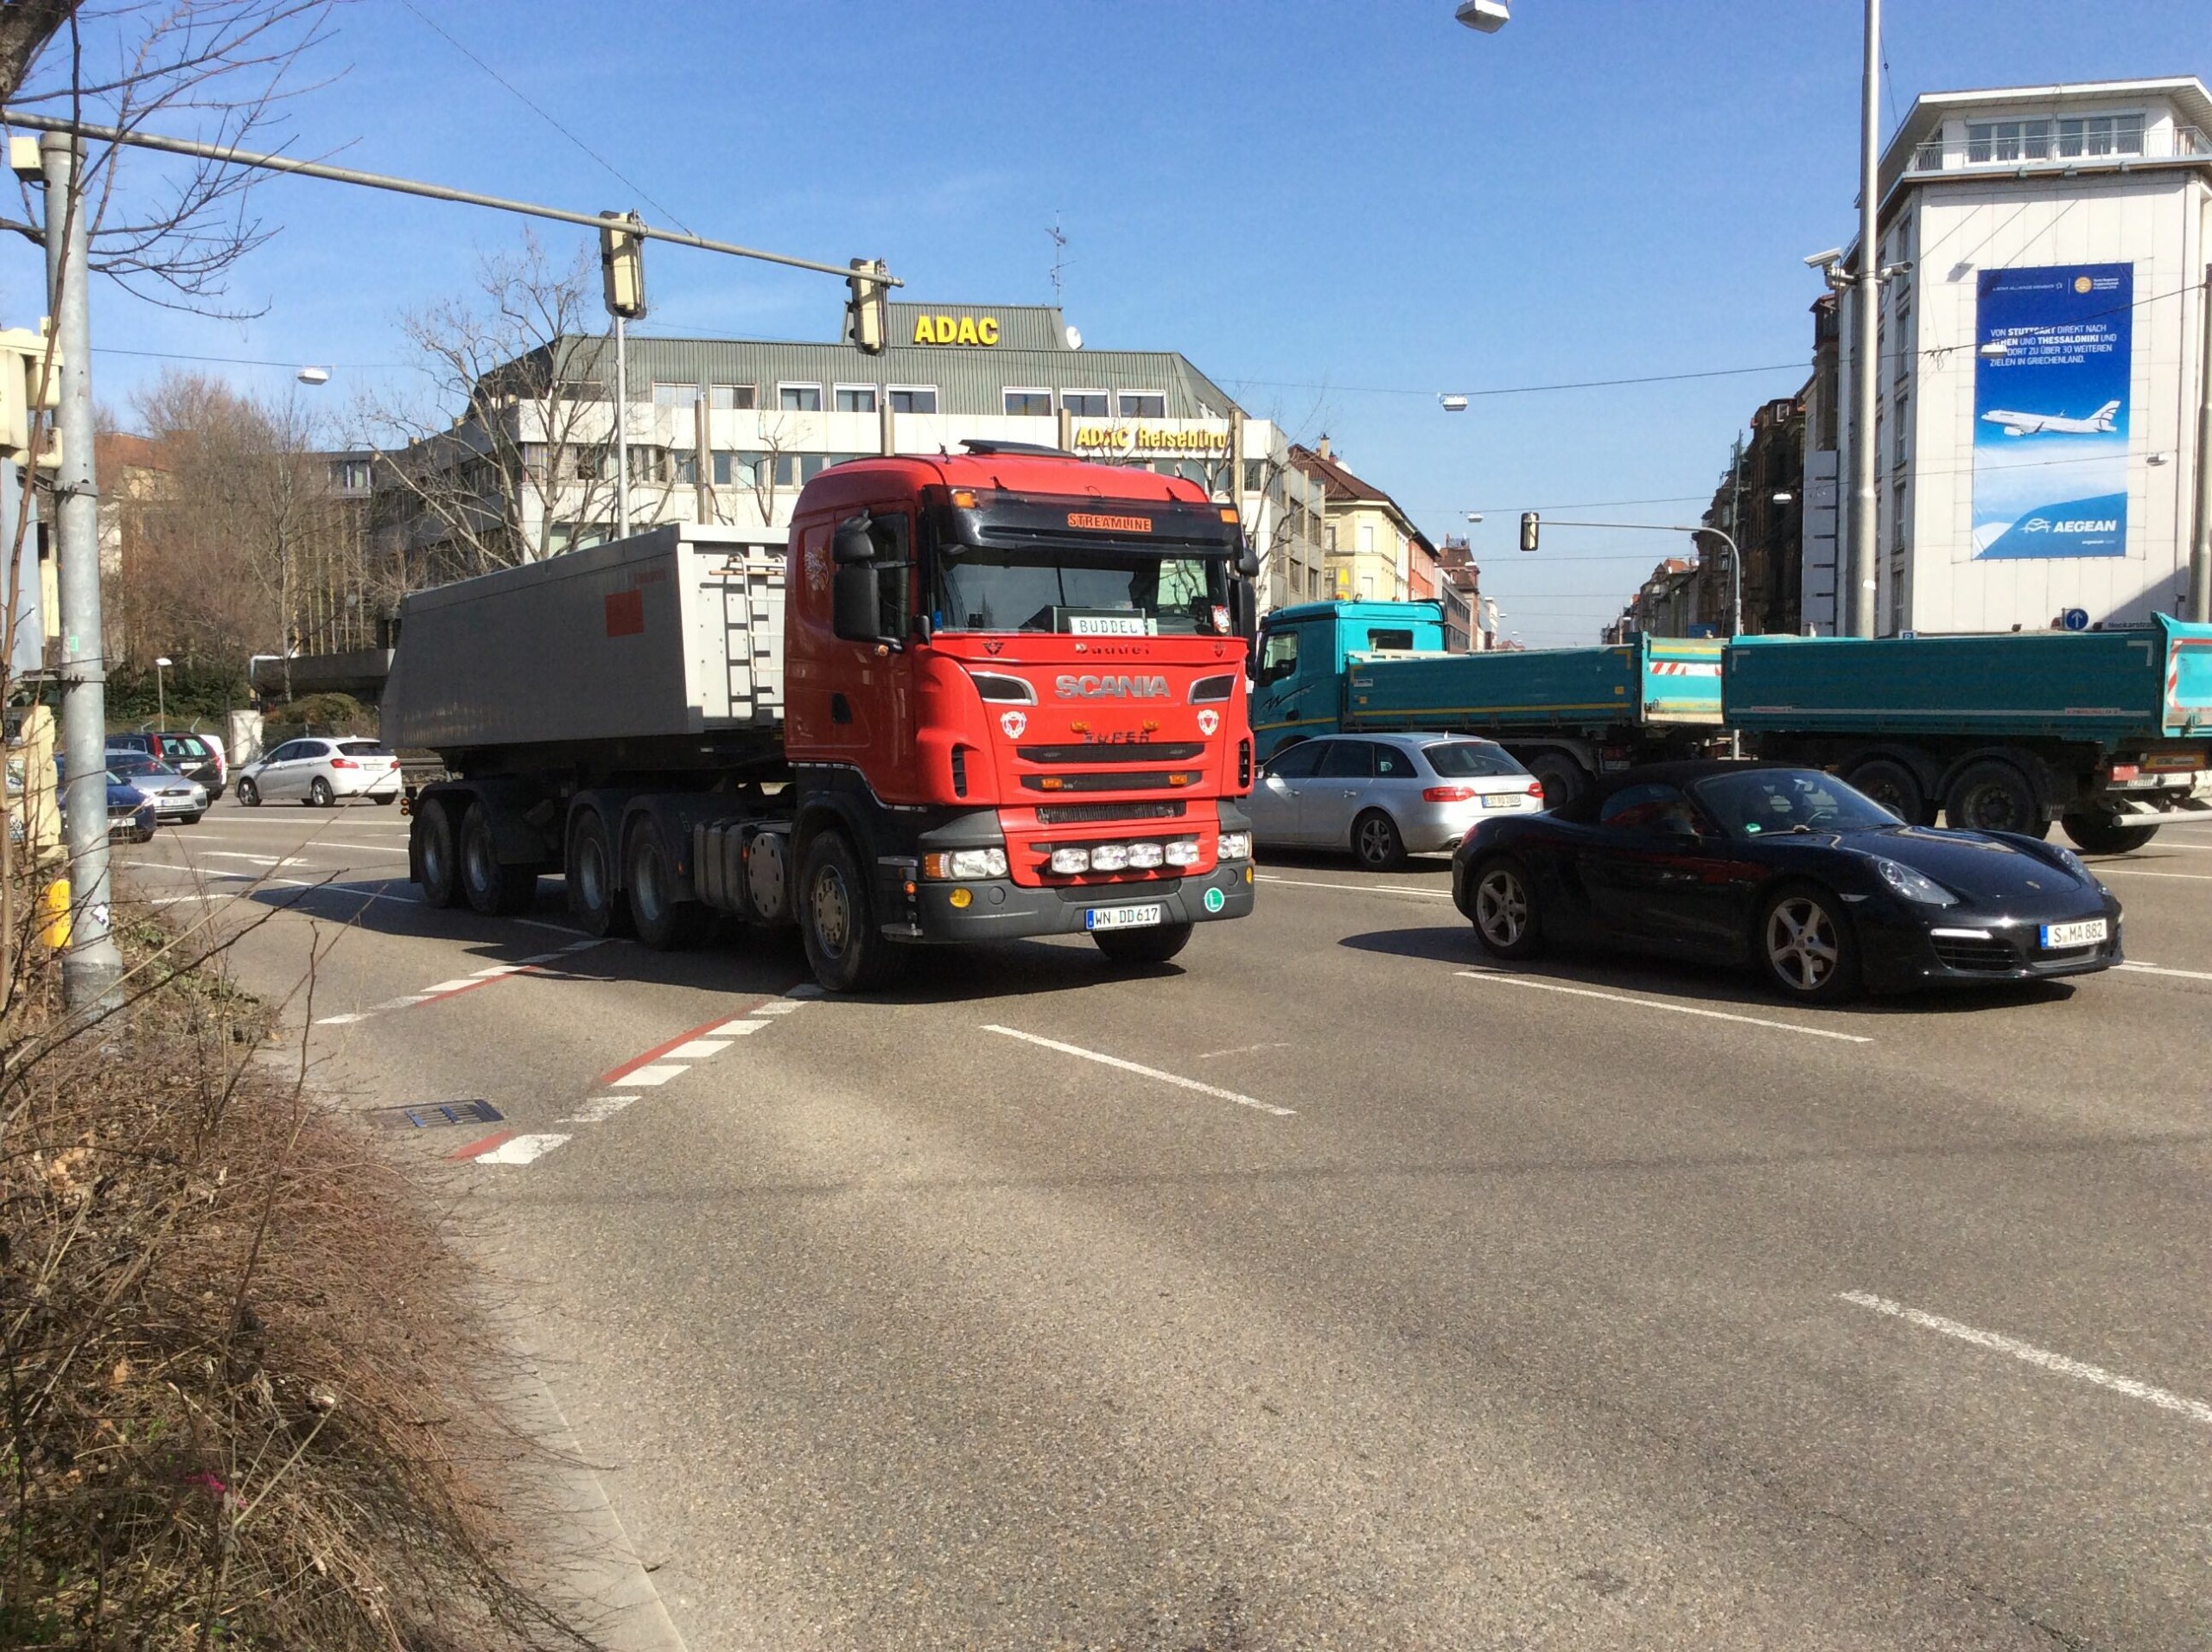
(1821, 260)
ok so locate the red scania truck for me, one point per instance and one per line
(966, 697)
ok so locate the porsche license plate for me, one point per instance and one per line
(1111, 917)
(2055, 937)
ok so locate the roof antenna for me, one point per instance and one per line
(1059, 258)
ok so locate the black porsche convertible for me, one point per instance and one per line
(1788, 870)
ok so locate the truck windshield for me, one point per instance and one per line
(1100, 590)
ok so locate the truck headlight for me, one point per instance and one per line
(1233, 846)
(1110, 857)
(1068, 862)
(1146, 855)
(1184, 851)
(965, 863)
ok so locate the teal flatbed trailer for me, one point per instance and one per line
(2108, 731)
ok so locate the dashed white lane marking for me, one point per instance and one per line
(2105, 870)
(2155, 969)
(597, 1110)
(1503, 980)
(777, 1007)
(698, 1048)
(1357, 888)
(1242, 1050)
(2057, 1363)
(738, 1029)
(1176, 1079)
(255, 860)
(520, 1149)
(341, 1021)
(659, 1073)
(465, 983)
(450, 986)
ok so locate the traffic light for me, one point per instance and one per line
(868, 320)
(1527, 530)
(30, 385)
(622, 265)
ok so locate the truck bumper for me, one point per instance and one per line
(999, 909)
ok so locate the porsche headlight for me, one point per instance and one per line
(2071, 861)
(1914, 885)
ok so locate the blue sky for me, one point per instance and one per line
(1337, 209)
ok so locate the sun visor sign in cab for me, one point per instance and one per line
(984, 519)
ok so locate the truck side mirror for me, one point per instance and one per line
(1247, 562)
(852, 543)
(855, 614)
(1244, 610)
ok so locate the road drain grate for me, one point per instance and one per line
(443, 1113)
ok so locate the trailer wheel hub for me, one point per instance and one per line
(832, 911)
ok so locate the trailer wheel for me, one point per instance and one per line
(838, 920)
(1994, 797)
(2100, 831)
(436, 856)
(594, 901)
(495, 890)
(1894, 786)
(1564, 780)
(664, 924)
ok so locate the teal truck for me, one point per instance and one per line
(2107, 731)
(1568, 714)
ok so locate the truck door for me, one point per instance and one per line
(1297, 691)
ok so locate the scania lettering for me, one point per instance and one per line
(840, 728)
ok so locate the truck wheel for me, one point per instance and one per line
(1994, 797)
(2100, 831)
(594, 901)
(1377, 842)
(664, 924)
(1564, 780)
(495, 890)
(837, 919)
(1132, 948)
(435, 856)
(1894, 786)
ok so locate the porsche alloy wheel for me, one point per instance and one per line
(1806, 947)
(1504, 911)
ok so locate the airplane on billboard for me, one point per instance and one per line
(2038, 425)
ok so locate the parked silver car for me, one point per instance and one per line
(322, 770)
(175, 796)
(1386, 795)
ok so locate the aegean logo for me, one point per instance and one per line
(2035, 524)
(2087, 524)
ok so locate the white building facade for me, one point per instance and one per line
(2043, 361)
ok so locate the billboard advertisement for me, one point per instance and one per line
(2055, 350)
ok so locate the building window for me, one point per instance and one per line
(856, 398)
(588, 462)
(1029, 403)
(648, 464)
(2100, 134)
(799, 398)
(1367, 539)
(354, 475)
(674, 395)
(1083, 403)
(1255, 475)
(737, 469)
(913, 398)
(797, 469)
(2014, 140)
(730, 398)
(1141, 403)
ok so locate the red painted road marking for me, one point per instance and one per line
(616, 1075)
(485, 1145)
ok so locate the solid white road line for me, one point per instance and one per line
(1148, 1072)
(2103, 870)
(340, 1021)
(2058, 1364)
(2155, 969)
(519, 1150)
(1504, 979)
(451, 986)
(1357, 888)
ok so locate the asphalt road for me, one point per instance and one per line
(1330, 1288)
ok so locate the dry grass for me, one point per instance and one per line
(246, 1394)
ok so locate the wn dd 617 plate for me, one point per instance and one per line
(1117, 917)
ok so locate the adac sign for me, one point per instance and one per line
(1149, 438)
(972, 330)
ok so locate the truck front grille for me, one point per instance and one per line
(1125, 752)
(1082, 813)
(1140, 780)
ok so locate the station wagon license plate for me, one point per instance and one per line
(1501, 799)
(2053, 937)
(1116, 917)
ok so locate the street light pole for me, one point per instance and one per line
(160, 692)
(1865, 336)
(92, 970)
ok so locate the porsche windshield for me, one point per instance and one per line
(1761, 802)
(1104, 588)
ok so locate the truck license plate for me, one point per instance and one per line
(2057, 937)
(1105, 917)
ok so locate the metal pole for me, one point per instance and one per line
(234, 156)
(621, 429)
(1865, 340)
(92, 970)
(160, 701)
(2200, 545)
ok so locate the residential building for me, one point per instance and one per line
(1666, 605)
(1470, 618)
(730, 429)
(1376, 553)
(2041, 360)
(1759, 505)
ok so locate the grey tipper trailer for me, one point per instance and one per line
(595, 712)
(622, 655)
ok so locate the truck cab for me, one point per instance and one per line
(1298, 679)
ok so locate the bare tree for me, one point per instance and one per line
(778, 437)
(529, 458)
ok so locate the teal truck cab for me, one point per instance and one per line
(1568, 714)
